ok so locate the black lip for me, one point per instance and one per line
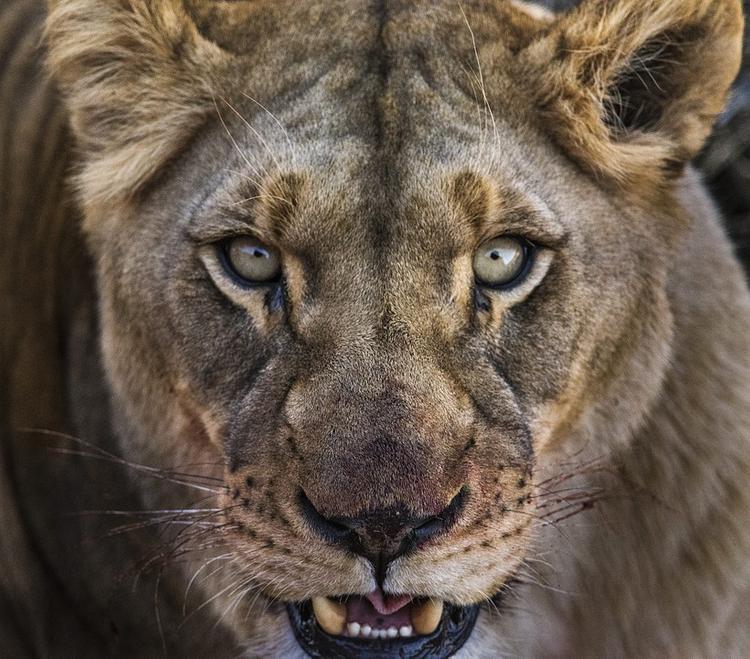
(453, 631)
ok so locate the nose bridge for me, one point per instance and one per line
(376, 429)
(380, 303)
(377, 390)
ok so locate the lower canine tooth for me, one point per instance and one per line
(425, 618)
(331, 616)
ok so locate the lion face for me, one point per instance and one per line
(380, 302)
(378, 408)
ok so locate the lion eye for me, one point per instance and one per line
(502, 262)
(250, 261)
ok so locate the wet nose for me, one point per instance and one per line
(385, 534)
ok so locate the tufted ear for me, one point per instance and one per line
(630, 88)
(138, 78)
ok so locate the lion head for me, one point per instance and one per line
(381, 269)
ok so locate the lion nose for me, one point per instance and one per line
(382, 535)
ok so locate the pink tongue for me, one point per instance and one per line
(379, 611)
(387, 604)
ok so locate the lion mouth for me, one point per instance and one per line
(381, 626)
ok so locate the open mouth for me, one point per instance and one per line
(381, 626)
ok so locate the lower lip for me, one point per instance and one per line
(454, 630)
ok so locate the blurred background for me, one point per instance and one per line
(725, 162)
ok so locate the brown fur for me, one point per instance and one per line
(667, 63)
(376, 146)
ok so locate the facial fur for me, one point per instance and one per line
(376, 149)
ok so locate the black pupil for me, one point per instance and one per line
(260, 253)
(495, 255)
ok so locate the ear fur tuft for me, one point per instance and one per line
(138, 78)
(630, 88)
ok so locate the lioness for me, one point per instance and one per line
(354, 329)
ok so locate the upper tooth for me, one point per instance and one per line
(331, 616)
(353, 628)
(405, 631)
(366, 631)
(425, 618)
(392, 632)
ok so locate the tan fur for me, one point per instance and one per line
(597, 414)
(601, 47)
(150, 83)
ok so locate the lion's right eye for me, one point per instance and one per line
(502, 262)
(250, 261)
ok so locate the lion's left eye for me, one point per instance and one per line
(502, 262)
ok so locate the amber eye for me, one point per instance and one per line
(502, 262)
(250, 261)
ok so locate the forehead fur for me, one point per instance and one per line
(141, 78)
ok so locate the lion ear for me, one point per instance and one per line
(630, 88)
(137, 78)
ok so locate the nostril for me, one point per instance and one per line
(444, 520)
(382, 535)
(328, 529)
(430, 528)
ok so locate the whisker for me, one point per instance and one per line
(234, 142)
(101, 453)
(160, 522)
(197, 573)
(261, 196)
(479, 72)
(158, 615)
(278, 123)
(154, 472)
(179, 546)
(148, 513)
(254, 131)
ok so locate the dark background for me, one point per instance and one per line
(725, 162)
